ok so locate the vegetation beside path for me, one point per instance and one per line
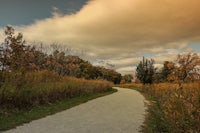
(171, 110)
(32, 78)
(18, 117)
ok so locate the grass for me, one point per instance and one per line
(156, 121)
(42, 87)
(18, 117)
(171, 110)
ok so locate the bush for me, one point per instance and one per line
(179, 108)
(22, 90)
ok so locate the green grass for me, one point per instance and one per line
(16, 118)
(156, 121)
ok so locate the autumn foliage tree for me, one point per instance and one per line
(186, 68)
(17, 56)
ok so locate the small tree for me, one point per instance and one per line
(186, 68)
(127, 78)
(145, 71)
(167, 69)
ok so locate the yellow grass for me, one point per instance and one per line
(34, 88)
(180, 106)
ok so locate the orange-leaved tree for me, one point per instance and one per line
(186, 68)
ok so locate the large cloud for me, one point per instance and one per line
(123, 24)
(108, 29)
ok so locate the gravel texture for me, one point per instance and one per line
(120, 112)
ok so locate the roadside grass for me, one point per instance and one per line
(155, 120)
(171, 110)
(19, 117)
(24, 90)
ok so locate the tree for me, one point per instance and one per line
(145, 71)
(127, 78)
(157, 77)
(17, 49)
(5, 49)
(186, 68)
(108, 74)
(18, 57)
(15, 55)
(166, 70)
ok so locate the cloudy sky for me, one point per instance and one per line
(117, 32)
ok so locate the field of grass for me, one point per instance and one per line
(171, 110)
(8, 121)
(32, 95)
(43, 87)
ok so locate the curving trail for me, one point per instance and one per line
(121, 112)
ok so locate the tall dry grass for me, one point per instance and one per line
(180, 107)
(34, 88)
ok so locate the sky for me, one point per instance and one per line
(118, 32)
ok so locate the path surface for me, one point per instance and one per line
(121, 112)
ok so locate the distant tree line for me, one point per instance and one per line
(127, 78)
(184, 69)
(17, 56)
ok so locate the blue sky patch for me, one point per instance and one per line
(195, 46)
(24, 12)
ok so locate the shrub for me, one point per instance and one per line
(179, 108)
(22, 90)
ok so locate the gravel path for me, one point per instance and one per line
(121, 112)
